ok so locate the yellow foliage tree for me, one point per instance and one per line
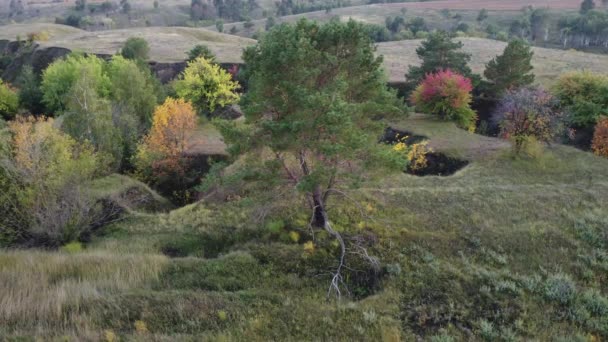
(162, 149)
(600, 138)
(207, 85)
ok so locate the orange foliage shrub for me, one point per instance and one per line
(600, 138)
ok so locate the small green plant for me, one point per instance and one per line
(560, 288)
(72, 247)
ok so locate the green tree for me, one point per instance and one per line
(30, 95)
(512, 69)
(438, 52)
(59, 78)
(88, 118)
(9, 101)
(135, 48)
(586, 6)
(206, 85)
(483, 15)
(219, 25)
(201, 51)
(584, 95)
(314, 93)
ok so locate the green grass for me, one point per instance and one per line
(505, 249)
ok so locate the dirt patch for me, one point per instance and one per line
(439, 164)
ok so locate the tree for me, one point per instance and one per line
(539, 24)
(219, 25)
(30, 95)
(447, 95)
(206, 85)
(270, 22)
(600, 138)
(438, 52)
(125, 6)
(135, 48)
(156, 4)
(314, 94)
(512, 69)
(9, 101)
(201, 51)
(202, 9)
(483, 15)
(586, 6)
(528, 113)
(161, 157)
(59, 78)
(43, 179)
(584, 95)
(88, 119)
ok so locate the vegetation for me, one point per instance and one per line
(528, 115)
(512, 69)
(206, 85)
(447, 95)
(136, 48)
(326, 212)
(9, 101)
(201, 51)
(42, 160)
(161, 157)
(600, 138)
(438, 52)
(584, 95)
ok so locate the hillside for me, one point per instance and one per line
(479, 253)
(167, 44)
(548, 63)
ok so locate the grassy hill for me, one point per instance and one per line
(167, 44)
(505, 249)
(548, 63)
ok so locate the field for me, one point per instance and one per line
(548, 63)
(474, 254)
(167, 44)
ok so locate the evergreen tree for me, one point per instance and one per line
(438, 52)
(586, 6)
(483, 15)
(30, 95)
(512, 69)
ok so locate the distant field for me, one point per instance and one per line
(167, 44)
(548, 63)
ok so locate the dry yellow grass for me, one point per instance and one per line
(167, 44)
(548, 63)
(39, 286)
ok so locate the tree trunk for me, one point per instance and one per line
(319, 212)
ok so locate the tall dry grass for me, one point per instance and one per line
(45, 290)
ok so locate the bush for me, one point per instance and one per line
(600, 138)
(560, 288)
(9, 101)
(201, 51)
(43, 179)
(135, 48)
(206, 86)
(584, 95)
(527, 115)
(447, 95)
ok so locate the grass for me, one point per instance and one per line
(548, 63)
(505, 249)
(167, 44)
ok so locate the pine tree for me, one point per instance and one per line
(438, 52)
(512, 69)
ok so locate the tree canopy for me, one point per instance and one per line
(512, 69)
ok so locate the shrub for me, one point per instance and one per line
(206, 86)
(9, 101)
(135, 48)
(600, 138)
(528, 113)
(560, 288)
(43, 179)
(201, 51)
(447, 95)
(584, 95)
